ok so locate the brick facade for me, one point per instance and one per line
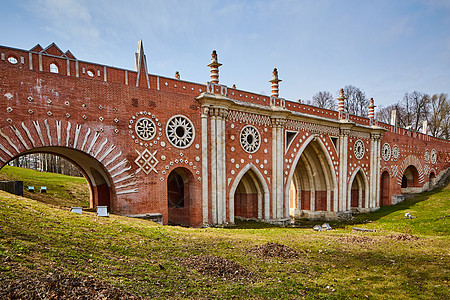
(204, 153)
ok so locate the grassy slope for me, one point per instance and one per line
(36, 238)
(62, 190)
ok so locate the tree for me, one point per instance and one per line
(413, 110)
(384, 113)
(439, 117)
(356, 101)
(324, 99)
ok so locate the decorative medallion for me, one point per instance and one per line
(145, 129)
(395, 152)
(180, 131)
(433, 156)
(359, 149)
(386, 152)
(147, 161)
(427, 155)
(250, 139)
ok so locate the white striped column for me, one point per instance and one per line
(343, 160)
(205, 204)
(277, 169)
(218, 171)
(213, 167)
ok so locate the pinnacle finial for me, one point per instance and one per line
(275, 81)
(214, 65)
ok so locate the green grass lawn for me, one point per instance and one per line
(62, 190)
(148, 260)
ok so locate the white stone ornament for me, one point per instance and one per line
(180, 131)
(250, 139)
(433, 156)
(395, 152)
(359, 149)
(427, 155)
(386, 152)
(147, 161)
(145, 128)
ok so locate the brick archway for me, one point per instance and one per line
(181, 197)
(385, 189)
(410, 177)
(98, 178)
(358, 190)
(249, 186)
(313, 178)
(102, 164)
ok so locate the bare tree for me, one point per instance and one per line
(324, 99)
(413, 110)
(384, 113)
(356, 101)
(439, 120)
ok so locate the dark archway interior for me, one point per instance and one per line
(358, 191)
(384, 189)
(247, 195)
(179, 190)
(410, 177)
(312, 186)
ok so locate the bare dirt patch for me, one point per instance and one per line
(217, 266)
(354, 239)
(271, 250)
(403, 237)
(60, 286)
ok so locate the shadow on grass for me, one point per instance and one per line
(357, 219)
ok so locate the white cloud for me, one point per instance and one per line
(68, 19)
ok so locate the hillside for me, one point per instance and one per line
(46, 252)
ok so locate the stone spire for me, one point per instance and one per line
(275, 82)
(214, 65)
(371, 108)
(140, 65)
(341, 99)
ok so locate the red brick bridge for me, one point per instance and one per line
(205, 154)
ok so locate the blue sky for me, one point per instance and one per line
(386, 48)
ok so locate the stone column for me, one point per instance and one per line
(218, 172)
(223, 176)
(343, 161)
(213, 167)
(378, 171)
(277, 169)
(205, 194)
(374, 169)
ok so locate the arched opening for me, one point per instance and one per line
(179, 196)
(358, 191)
(54, 68)
(248, 197)
(410, 177)
(96, 176)
(384, 189)
(432, 179)
(312, 186)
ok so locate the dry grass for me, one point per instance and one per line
(149, 260)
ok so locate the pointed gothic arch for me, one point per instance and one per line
(358, 190)
(316, 185)
(251, 183)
